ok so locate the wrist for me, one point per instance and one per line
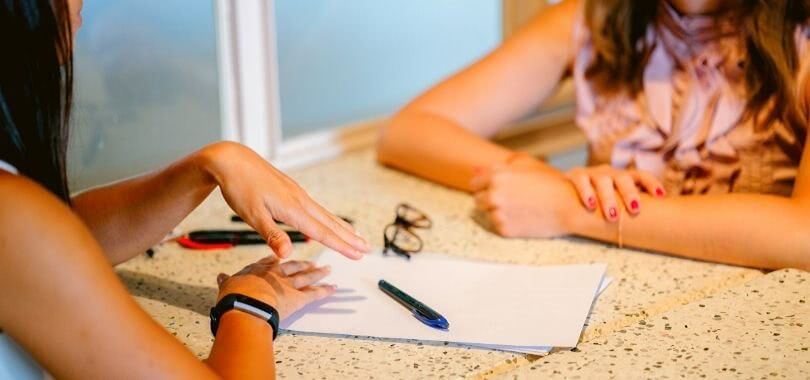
(250, 286)
(235, 319)
(211, 160)
(575, 217)
(588, 223)
(236, 316)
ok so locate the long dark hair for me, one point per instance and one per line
(36, 89)
(618, 31)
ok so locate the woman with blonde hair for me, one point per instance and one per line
(695, 113)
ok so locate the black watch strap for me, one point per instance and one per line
(245, 304)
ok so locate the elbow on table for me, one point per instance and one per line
(392, 142)
(803, 233)
(803, 261)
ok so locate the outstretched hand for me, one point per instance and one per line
(260, 194)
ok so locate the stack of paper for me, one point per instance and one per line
(501, 306)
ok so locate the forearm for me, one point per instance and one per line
(243, 348)
(437, 149)
(442, 134)
(130, 216)
(753, 230)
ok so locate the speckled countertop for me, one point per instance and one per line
(177, 286)
(757, 330)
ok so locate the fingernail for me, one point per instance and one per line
(591, 203)
(613, 213)
(328, 268)
(634, 205)
(659, 192)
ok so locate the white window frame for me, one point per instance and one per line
(249, 88)
(248, 74)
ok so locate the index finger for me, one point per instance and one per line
(346, 231)
(319, 232)
(318, 292)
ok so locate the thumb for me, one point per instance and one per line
(277, 239)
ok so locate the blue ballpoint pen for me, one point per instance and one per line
(420, 311)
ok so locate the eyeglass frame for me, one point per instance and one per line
(401, 223)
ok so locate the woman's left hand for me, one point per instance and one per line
(260, 194)
(524, 202)
(601, 185)
(287, 286)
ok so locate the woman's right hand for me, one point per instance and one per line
(286, 286)
(261, 194)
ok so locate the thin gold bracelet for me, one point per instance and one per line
(619, 238)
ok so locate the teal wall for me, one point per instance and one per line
(342, 61)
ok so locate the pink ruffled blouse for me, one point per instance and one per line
(686, 126)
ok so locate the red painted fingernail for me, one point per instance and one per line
(659, 192)
(591, 203)
(634, 205)
(613, 213)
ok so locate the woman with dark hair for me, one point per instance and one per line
(62, 306)
(694, 111)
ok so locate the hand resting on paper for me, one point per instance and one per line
(287, 286)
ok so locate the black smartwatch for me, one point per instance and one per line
(245, 304)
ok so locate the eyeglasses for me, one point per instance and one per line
(399, 236)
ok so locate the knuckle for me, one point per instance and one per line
(607, 196)
(625, 180)
(321, 234)
(276, 236)
(579, 178)
(624, 176)
(493, 199)
(498, 217)
(604, 182)
(504, 230)
(296, 282)
(576, 172)
(603, 168)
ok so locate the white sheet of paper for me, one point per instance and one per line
(540, 350)
(485, 303)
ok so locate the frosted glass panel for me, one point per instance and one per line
(344, 61)
(146, 86)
